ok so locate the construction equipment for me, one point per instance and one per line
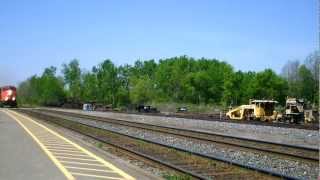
(182, 109)
(87, 107)
(146, 109)
(310, 115)
(294, 110)
(262, 110)
(298, 112)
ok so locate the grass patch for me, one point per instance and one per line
(99, 145)
(176, 177)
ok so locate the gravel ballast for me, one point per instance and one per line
(291, 136)
(290, 167)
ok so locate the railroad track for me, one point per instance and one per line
(269, 147)
(223, 118)
(195, 166)
(197, 170)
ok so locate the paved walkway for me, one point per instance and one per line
(30, 150)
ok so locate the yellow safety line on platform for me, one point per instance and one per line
(48, 153)
(81, 159)
(90, 175)
(72, 162)
(57, 145)
(49, 139)
(82, 150)
(45, 141)
(62, 148)
(89, 169)
(68, 154)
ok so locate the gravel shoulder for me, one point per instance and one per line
(283, 165)
(299, 137)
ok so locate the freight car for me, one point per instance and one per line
(8, 95)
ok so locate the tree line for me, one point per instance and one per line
(179, 79)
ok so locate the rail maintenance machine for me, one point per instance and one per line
(262, 110)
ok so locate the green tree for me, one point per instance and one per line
(51, 88)
(306, 83)
(108, 82)
(46, 90)
(178, 79)
(200, 86)
(142, 90)
(232, 93)
(123, 94)
(312, 62)
(170, 77)
(290, 73)
(72, 79)
(303, 79)
(90, 87)
(268, 85)
(29, 91)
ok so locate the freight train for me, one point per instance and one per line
(8, 96)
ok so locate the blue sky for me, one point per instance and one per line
(248, 34)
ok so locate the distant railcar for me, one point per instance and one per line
(8, 96)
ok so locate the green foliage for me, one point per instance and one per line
(46, 90)
(232, 88)
(176, 177)
(108, 82)
(312, 63)
(306, 84)
(177, 80)
(51, 88)
(90, 87)
(72, 79)
(123, 94)
(268, 85)
(303, 80)
(142, 90)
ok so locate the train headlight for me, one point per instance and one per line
(14, 98)
(6, 98)
(9, 92)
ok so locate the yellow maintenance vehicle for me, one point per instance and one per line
(263, 110)
(297, 111)
(294, 112)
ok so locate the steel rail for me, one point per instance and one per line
(273, 173)
(223, 118)
(258, 144)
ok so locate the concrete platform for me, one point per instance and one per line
(31, 150)
(21, 157)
